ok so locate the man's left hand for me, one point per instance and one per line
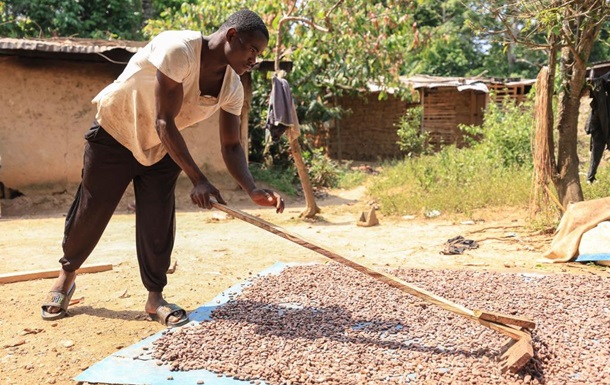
(264, 197)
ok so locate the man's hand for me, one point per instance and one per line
(264, 197)
(202, 192)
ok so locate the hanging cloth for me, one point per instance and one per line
(280, 116)
(598, 122)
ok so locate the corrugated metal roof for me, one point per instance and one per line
(70, 45)
(426, 81)
(480, 84)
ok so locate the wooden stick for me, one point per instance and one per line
(37, 274)
(390, 280)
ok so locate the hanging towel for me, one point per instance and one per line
(280, 116)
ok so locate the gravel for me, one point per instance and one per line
(328, 324)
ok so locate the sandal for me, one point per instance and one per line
(60, 299)
(163, 313)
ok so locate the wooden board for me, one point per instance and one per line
(38, 274)
(506, 319)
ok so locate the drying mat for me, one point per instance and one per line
(134, 365)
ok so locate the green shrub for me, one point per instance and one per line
(323, 171)
(410, 138)
(350, 179)
(505, 135)
(601, 187)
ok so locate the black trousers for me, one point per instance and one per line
(108, 168)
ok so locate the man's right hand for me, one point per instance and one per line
(202, 193)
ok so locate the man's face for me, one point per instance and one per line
(244, 49)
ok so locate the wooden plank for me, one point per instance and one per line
(38, 274)
(506, 319)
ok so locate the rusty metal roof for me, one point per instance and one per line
(69, 45)
(474, 83)
(114, 51)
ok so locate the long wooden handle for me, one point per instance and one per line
(388, 279)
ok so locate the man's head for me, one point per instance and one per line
(247, 37)
(246, 22)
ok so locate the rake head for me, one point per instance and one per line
(515, 354)
(518, 350)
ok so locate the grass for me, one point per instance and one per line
(349, 179)
(601, 187)
(421, 185)
(275, 178)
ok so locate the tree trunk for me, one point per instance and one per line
(566, 178)
(147, 11)
(573, 74)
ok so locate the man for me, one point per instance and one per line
(178, 79)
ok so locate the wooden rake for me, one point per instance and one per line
(516, 352)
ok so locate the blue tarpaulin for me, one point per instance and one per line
(135, 365)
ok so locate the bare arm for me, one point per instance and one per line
(169, 96)
(237, 164)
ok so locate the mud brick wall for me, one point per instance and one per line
(46, 110)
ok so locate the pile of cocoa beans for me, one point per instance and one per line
(329, 324)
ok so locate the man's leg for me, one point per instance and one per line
(107, 172)
(155, 226)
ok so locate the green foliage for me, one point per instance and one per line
(277, 178)
(452, 181)
(493, 171)
(505, 134)
(601, 187)
(411, 139)
(351, 178)
(90, 19)
(323, 171)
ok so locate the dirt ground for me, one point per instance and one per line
(214, 252)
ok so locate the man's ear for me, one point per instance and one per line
(230, 34)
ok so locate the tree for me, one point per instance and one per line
(566, 31)
(100, 19)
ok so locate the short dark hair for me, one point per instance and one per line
(247, 22)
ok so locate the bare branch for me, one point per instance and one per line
(331, 11)
(305, 20)
(292, 7)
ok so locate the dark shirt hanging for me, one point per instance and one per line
(597, 124)
(280, 116)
